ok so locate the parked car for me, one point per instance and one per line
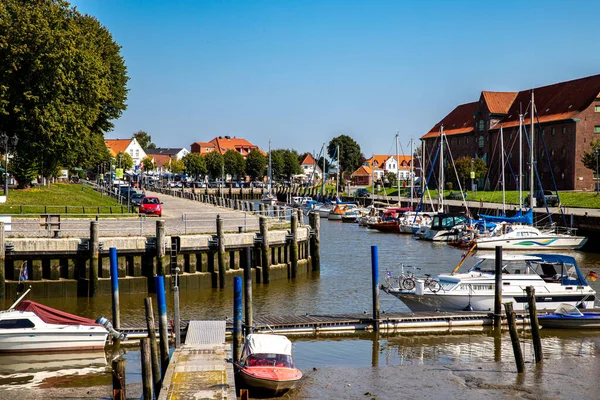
(150, 205)
(136, 199)
(362, 192)
(540, 195)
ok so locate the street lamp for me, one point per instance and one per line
(7, 147)
(596, 180)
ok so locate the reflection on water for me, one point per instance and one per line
(344, 286)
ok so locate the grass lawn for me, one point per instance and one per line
(58, 198)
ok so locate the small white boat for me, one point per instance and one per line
(527, 237)
(267, 365)
(32, 327)
(269, 199)
(556, 279)
(444, 227)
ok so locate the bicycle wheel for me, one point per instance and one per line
(408, 284)
(434, 285)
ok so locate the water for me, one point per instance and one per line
(356, 365)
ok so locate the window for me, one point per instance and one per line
(553, 131)
(563, 153)
(458, 141)
(16, 324)
(467, 140)
(597, 108)
(480, 124)
(481, 142)
(597, 129)
(564, 130)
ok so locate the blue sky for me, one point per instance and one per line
(303, 72)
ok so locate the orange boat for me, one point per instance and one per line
(389, 221)
(267, 365)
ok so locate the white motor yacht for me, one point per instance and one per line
(527, 237)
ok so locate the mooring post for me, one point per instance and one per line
(498, 288)
(176, 315)
(535, 325)
(161, 300)
(2, 262)
(237, 318)
(153, 344)
(514, 337)
(114, 282)
(294, 245)
(118, 379)
(221, 254)
(248, 289)
(300, 216)
(266, 252)
(375, 280)
(315, 240)
(160, 247)
(146, 369)
(94, 258)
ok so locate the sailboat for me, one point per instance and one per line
(268, 197)
(514, 236)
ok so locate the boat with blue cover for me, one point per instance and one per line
(566, 316)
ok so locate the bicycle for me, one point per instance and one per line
(432, 284)
(406, 280)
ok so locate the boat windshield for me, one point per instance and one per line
(488, 266)
(567, 309)
(270, 360)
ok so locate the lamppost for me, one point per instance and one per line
(7, 147)
(596, 180)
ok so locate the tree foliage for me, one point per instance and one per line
(235, 165)
(350, 155)
(589, 157)
(62, 82)
(177, 166)
(214, 164)
(123, 160)
(256, 164)
(277, 164)
(463, 169)
(194, 165)
(291, 165)
(144, 140)
(148, 164)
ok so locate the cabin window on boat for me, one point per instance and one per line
(269, 360)
(16, 324)
(446, 285)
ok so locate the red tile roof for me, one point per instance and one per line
(499, 102)
(161, 160)
(225, 143)
(116, 146)
(308, 160)
(460, 120)
(362, 171)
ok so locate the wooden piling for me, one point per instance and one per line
(221, 254)
(150, 325)
(160, 247)
(315, 241)
(2, 263)
(118, 379)
(498, 288)
(266, 251)
(514, 337)
(248, 289)
(535, 325)
(146, 356)
(294, 245)
(94, 258)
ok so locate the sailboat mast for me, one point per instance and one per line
(397, 169)
(502, 165)
(532, 158)
(441, 186)
(337, 179)
(520, 161)
(270, 173)
(323, 177)
(412, 169)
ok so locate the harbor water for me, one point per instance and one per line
(428, 364)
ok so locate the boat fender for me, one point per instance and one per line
(111, 331)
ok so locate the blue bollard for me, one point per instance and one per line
(114, 281)
(375, 278)
(237, 318)
(162, 323)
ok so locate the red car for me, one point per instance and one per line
(150, 205)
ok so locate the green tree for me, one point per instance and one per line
(123, 160)
(177, 166)
(291, 165)
(144, 140)
(214, 164)
(588, 158)
(463, 167)
(62, 82)
(235, 165)
(277, 164)
(256, 164)
(390, 179)
(148, 164)
(350, 155)
(194, 165)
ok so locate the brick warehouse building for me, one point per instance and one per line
(567, 120)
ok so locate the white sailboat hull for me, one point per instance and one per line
(562, 242)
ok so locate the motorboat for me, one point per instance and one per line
(556, 279)
(323, 210)
(269, 199)
(445, 227)
(267, 365)
(566, 316)
(339, 210)
(389, 220)
(351, 216)
(299, 201)
(411, 222)
(526, 237)
(28, 326)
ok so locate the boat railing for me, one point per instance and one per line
(559, 230)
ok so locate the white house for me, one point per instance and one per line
(130, 146)
(176, 153)
(310, 169)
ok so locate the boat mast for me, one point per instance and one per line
(532, 158)
(323, 174)
(441, 185)
(397, 169)
(502, 165)
(337, 179)
(520, 161)
(270, 174)
(373, 179)
(412, 168)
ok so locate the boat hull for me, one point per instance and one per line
(390, 226)
(272, 380)
(553, 321)
(537, 243)
(67, 338)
